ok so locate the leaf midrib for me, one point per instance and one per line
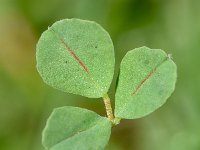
(148, 76)
(78, 60)
(78, 132)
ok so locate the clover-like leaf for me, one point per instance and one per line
(73, 128)
(76, 56)
(147, 78)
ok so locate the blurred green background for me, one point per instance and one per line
(26, 102)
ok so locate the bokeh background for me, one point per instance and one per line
(26, 102)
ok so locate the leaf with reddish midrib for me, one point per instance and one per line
(70, 55)
(147, 78)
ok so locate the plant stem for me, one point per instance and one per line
(107, 104)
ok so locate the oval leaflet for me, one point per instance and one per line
(88, 50)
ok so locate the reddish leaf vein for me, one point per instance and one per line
(72, 53)
(146, 78)
(75, 56)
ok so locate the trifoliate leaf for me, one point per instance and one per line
(76, 56)
(147, 78)
(72, 128)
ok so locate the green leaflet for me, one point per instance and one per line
(73, 128)
(76, 56)
(147, 78)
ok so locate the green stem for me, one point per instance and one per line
(109, 111)
(108, 106)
